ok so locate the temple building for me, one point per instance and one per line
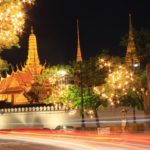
(131, 58)
(13, 86)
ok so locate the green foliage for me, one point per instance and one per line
(144, 79)
(51, 99)
(93, 101)
(54, 73)
(133, 100)
(88, 72)
(72, 98)
(3, 65)
(57, 78)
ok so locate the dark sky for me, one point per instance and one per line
(102, 23)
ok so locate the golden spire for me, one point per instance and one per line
(33, 62)
(79, 55)
(131, 57)
(32, 31)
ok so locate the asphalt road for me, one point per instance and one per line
(42, 141)
(21, 145)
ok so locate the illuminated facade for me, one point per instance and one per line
(13, 86)
(33, 63)
(131, 58)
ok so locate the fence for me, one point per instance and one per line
(16, 109)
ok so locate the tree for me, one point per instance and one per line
(37, 93)
(90, 72)
(87, 75)
(92, 101)
(122, 86)
(12, 20)
(133, 100)
(57, 78)
(142, 41)
(71, 97)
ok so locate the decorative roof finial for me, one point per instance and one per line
(78, 34)
(32, 31)
(130, 27)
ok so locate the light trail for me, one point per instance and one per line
(125, 141)
(64, 144)
(108, 121)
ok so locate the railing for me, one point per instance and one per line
(14, 109)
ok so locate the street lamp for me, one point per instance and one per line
(81, 96)
(62, 74)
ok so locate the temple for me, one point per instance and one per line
(131, 58)
(13, 86)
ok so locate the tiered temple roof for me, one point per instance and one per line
(131, 58)
(15, 84)
(33, 63)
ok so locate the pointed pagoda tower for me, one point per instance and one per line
(33, 63)
(131, 58)
(79, 54)
(13, 86)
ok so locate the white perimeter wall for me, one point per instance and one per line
(50, 119)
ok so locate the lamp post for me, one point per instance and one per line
(82, 101)
(80, 76)
(62, 74)
(135, 66)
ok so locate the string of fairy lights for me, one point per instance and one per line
(119, 81)
(12, 21)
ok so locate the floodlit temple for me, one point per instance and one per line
(13, 86)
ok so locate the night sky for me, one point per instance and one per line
(102, 23)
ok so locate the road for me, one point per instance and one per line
(23, 145)
(50, 141)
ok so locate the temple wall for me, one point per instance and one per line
(33, 119)
(50, 119)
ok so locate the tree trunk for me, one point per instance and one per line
(96, 118)
(134, 115)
